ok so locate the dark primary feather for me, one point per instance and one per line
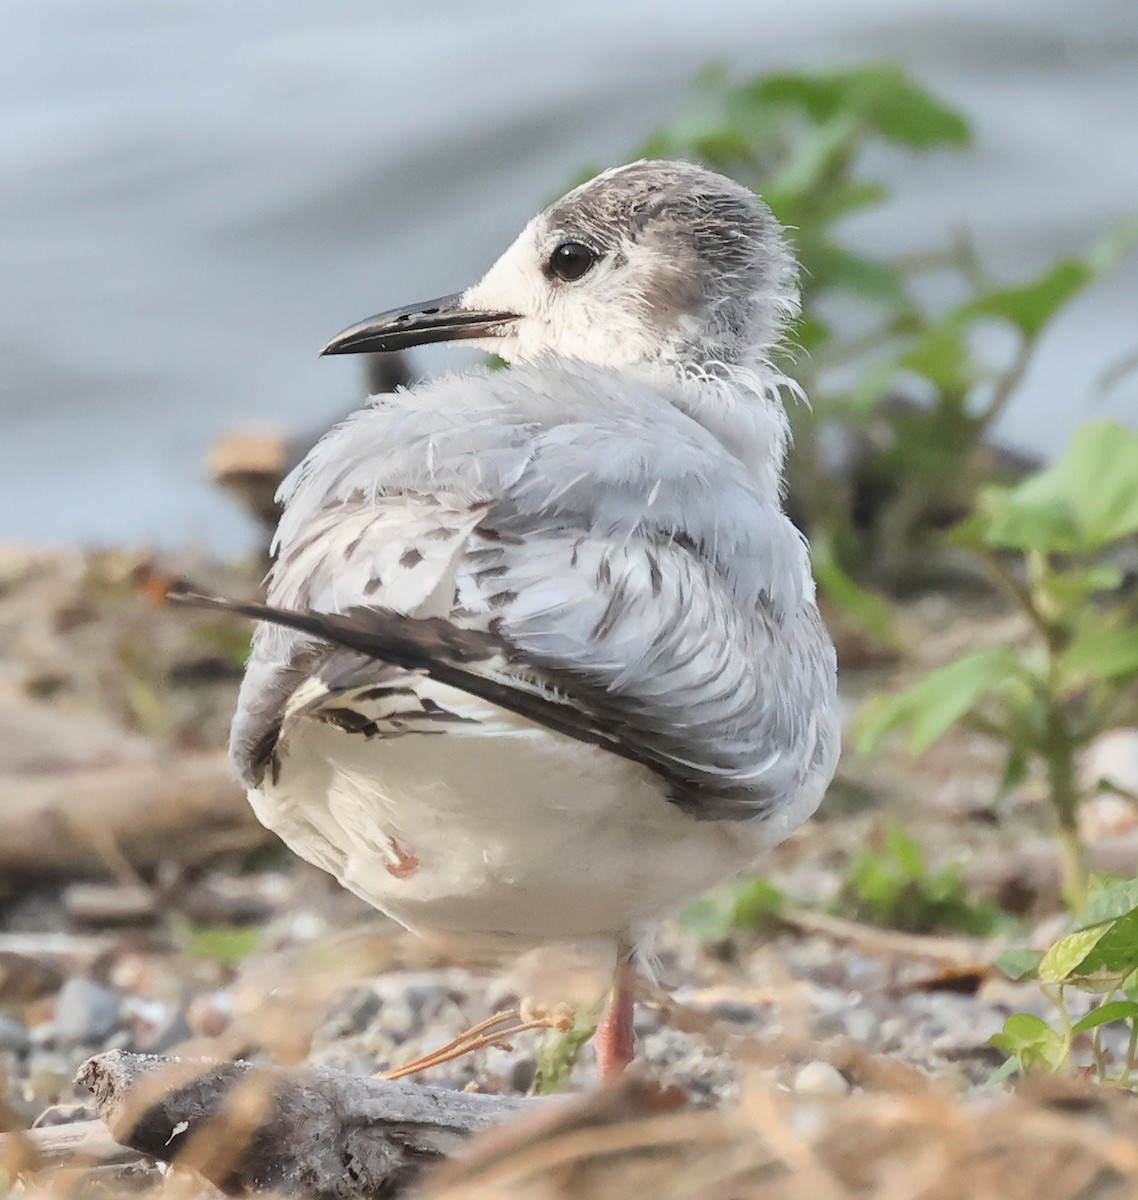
(485, 665)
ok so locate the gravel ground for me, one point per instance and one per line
(253, 954)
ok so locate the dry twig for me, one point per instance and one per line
(310, 1131)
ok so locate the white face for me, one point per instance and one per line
(607, 316)
(648, 265)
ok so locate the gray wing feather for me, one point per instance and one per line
(624, 560)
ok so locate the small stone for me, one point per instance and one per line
(49, 1075)
(1112, 758)
(827, 1025)
(820, 1079)
(13, 1035)
(161, 1036)
(27, 977)
(1107, 816)
(522, 1075)
(861, 1024)
(735, 1012)
(102, 905)
(352, 1012)
(86, 1013)
(209, 1015)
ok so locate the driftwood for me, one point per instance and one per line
(81, 1143)
(187, 807)
(871, 939)
(307, 1130)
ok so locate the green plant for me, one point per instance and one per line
(1099, 956)
(890, 884)
(1048, 541)
(741, 904)
(224, 944)
(876, 353)
(557, 1055)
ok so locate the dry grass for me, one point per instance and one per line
(1060, 1141)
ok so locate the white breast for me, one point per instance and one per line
(499, 827)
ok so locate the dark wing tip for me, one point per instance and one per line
(181, 595)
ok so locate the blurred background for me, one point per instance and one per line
(195, 196)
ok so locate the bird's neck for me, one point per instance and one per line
(742, 408)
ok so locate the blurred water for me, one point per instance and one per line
(195, 194)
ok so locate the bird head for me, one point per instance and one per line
(647, 265)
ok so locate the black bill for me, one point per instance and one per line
(440, 320)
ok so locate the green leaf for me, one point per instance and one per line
(1113, 1010)
(1015, 771)
(1033, 1042)
(939, 700)
(1031, 305)
(1084, 501)
(888, 101)
(222, 943)
(1069, 953)
(757, 904)
(1100, 653)
(741, 904)
(1108, 904)
(1013, 521)
(941, 357)
(809, 333)
(819, 96)
(813, 160)
(1102, 474)
(1114, 245)
(709, 919)
(904, 113)
(904, 852)
(1019, 964)
(847, 197)
(557, 1055)
(1076, 584)
(1115, 952)
(835, 267)
(1010, 1066)
(891, 885)
(872, 386)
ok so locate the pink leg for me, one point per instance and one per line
(614, 1041)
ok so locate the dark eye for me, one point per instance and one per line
(571, 260)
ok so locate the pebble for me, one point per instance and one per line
(13, 1035)
(522, 1074)
(49, 1075)
(162, 1035)
(86, 1013)
(209, 1014)
(351, 1013)
(820, 1079)
(1112, 758)
(862, 1025)
(735, 1012)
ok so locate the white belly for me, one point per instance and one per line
(500, 828)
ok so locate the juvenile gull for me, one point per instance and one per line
(576, 674)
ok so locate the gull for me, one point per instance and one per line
(541, 658)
